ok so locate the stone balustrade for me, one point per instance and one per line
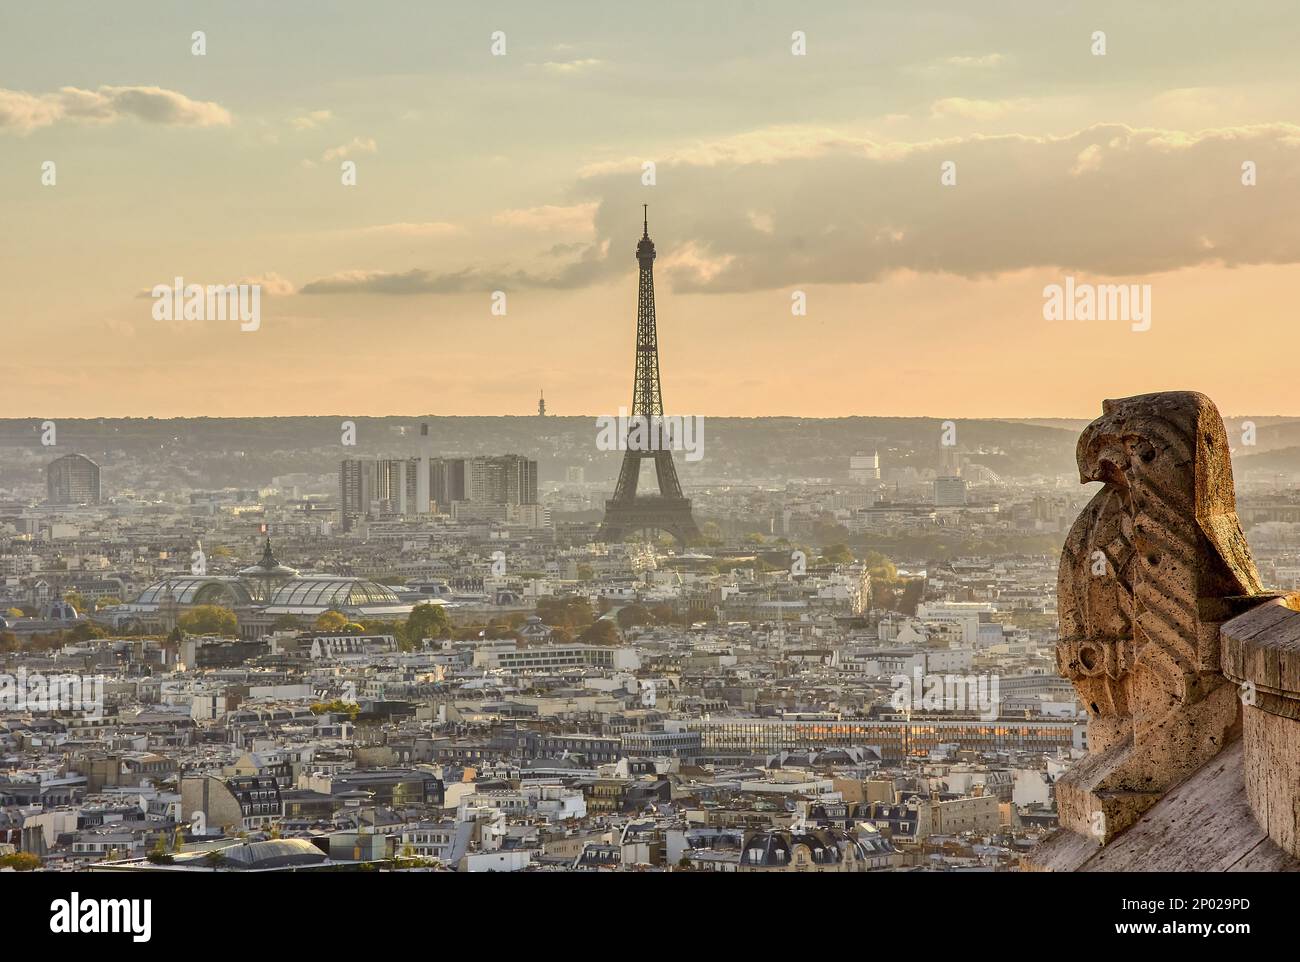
(1260, 652)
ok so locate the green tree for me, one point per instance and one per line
(838, 554)
(586, 573)
(338, 706)
(663, 613)
(209, 620)
(331, 621)
(159, 855)
(74, 598)
(86, 630)
(632, 615)
(570, 611)
(20, 861)
(394, 628)
(215, 859)
(284, 623)
(872, 558)
(601, 632)
(828, 532)
(884, 572)
(425, 621)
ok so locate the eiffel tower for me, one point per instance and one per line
(626, 513)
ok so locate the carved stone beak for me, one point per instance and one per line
(1102, 457)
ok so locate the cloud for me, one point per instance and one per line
(592, 264)
(838, 208)
(311, 120)
(579, 217)
(416, 281)
(971, 109)
(1088, 161)
(571, 66)
(761, 221)
(271, 283)
(405, 229)
(357, 145)
(24, 112)
(401, 229)
(764, 146)
(846, 210)
(694, 265)
(988, 60)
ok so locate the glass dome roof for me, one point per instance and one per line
(328, 592)
(272, 853)
(198, 591)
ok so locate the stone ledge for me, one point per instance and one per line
(1260, 652)
(1261, 649)
(1203, 824)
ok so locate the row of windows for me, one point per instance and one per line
(258, 795)
(563, 743)
(893, 738)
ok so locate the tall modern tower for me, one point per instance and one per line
(423, 500)
(72, 479)
(626, 513)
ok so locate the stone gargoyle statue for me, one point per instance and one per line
(1152, 567)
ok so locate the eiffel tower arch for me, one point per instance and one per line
(627, 512)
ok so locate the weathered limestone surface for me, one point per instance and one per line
(1261, 653)
(1201, 825)
(1150, 571)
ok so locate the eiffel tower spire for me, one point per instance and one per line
(626, 513)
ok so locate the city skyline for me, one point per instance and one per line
(948, 530)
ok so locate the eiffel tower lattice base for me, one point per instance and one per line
(670, 515)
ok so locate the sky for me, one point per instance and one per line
(775, 172)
